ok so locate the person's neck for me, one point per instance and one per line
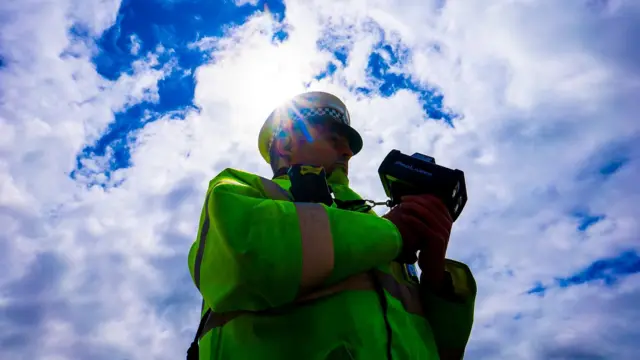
(337, 177)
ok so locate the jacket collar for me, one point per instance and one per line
(338, 177)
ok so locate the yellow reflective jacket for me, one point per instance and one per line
(287, 280)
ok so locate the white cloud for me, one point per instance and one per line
(542, 88)
(136, 44)
(245, 2)
(91, 257)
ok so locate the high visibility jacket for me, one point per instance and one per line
(287, 280)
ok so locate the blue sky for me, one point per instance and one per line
(141, 27)
(114, 116)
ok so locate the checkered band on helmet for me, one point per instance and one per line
(321, 112)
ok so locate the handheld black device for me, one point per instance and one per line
(419, 174)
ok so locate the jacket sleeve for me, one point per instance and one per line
(254, 253)
(451, 314)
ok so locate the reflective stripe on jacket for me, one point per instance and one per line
(291, 280)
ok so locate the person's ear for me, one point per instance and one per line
(284, 146)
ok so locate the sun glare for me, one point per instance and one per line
(259, 74)
(276, 76)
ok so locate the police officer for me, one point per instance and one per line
(287, 273)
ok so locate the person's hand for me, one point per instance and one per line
(434, 247)
(424, 224)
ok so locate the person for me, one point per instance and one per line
(283, 278)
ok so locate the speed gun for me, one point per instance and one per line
(418, 174)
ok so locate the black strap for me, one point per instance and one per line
(353, 205)
(194, 350)
(280, 172)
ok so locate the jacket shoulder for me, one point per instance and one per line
(235, 175)
(251, 184)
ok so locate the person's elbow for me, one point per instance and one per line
(246, 280)
(253, 258)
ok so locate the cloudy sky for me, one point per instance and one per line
(115, 115)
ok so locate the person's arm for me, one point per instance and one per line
(254, 253)
(450, 310)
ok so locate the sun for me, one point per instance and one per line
(258, 73)
(275, 80)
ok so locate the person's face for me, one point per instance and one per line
(321, 147)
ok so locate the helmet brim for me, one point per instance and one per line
(353, 137)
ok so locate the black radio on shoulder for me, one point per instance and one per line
(418, 174)
(309, 184)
